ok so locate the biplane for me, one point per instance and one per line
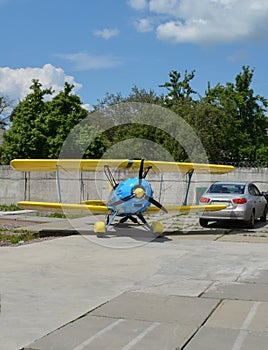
(128, 199)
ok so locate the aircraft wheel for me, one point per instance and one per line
(99, 227)
(157, 227)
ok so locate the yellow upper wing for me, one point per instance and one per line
(98, 164)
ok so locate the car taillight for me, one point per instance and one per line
(239, 200)
(204, 200)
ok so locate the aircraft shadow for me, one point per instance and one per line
(133, 232)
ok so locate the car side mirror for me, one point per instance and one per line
(265, 195)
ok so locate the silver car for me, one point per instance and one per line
(245, 203)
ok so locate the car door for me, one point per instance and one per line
(257, 198)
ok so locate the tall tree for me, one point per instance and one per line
(25, 138)
(63, 114)
(245, 129)
(39, 127)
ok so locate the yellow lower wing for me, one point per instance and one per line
(99, 207)
(94, 208)
(186, 208)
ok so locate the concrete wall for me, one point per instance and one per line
(169, 188)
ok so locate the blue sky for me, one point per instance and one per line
(110, 46)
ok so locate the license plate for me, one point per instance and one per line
(222, 203)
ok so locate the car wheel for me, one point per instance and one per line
(263, 217)
(251, 221)
(203, 222)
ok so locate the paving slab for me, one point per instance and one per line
(240, 314)
(228, 339)
(236, 290)
(234, 325)
(133, 321)
(99, 333)
(190, 288)
(158, 308)
(259, 275)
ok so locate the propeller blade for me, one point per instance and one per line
(141, 171)
(122, 200)
(157, 204)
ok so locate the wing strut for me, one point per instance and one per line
(189, 174)
(58, 182)
(109, 175)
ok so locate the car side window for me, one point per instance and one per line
(253, 190)
(257, 191)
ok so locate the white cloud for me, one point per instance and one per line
(167, 7)
(106, 33)
(144, 25)
(15, 83)
(209, 21)
(83, 61)
(138, 4)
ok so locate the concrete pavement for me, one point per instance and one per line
(196, 289)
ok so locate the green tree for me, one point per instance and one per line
(178, 88)
(115, 112)
(244, 131)
(63, 114)
(85, 141)
(211, 126)
(25, 138)
(40, 127)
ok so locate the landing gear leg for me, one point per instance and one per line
(110, 220)
(141, 217)
(101, 226)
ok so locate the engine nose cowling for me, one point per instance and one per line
(129, 197)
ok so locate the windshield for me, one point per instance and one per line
(226, 188)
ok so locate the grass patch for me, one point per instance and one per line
(65, 216)
(7, 239)
(56, 215)
(11, 207)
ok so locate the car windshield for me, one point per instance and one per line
(226, 188)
